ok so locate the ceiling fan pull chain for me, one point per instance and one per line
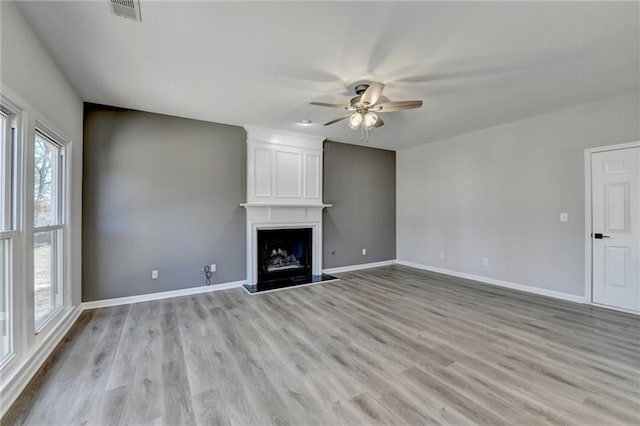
(364, 135)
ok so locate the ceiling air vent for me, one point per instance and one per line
(126, 8)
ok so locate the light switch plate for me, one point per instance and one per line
(564, 217)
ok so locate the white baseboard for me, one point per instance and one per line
(13, 385)
(613, 308)
(161, 295)
(358, 267)
(498, 283)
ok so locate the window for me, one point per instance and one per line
(7, 233)
(48, 214)
(34, 298)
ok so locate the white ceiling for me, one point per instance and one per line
(475, 64)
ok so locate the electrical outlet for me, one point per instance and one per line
(213, 267)
(564, 217)
(364, 251)
(441, 255)
(485, 261)
(154, 274)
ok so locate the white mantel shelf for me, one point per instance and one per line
(320, 206)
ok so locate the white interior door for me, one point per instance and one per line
(615, 180)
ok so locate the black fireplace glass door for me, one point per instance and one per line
(284, 253)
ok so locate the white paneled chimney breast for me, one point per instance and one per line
(284, 188)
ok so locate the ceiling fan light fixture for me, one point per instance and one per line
(355, 120)
(364, 109)
(370, 118)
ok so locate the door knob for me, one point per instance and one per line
(599, 236)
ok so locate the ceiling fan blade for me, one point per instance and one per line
(397, 106)
(379, 123)
(324, 104)
(335, 120)
(372, 94)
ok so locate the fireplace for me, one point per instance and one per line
(284, 253)
(284, 209)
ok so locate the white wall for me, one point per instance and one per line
(498, 193)
(29, 72)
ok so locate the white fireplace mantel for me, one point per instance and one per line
(284, 188)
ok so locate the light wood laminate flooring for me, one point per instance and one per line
(390, 345)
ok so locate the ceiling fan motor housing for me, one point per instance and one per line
(361, 88)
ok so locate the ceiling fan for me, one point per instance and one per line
(363, 110)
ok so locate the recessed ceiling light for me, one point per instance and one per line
(305, 122)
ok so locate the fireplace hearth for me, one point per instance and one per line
(285, 259)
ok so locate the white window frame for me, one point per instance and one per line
(26, 339)
(6, 193)
(59, 203)
(7, 228)
(10, 262)
(62, 263)
(14, 210)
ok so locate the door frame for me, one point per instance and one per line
(588, 240)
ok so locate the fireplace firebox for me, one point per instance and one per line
(284, 253)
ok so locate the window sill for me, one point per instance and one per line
(7, 361)
(48, 319)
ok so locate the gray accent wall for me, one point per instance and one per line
(360, 182)
(498, 193)
(163, 193)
